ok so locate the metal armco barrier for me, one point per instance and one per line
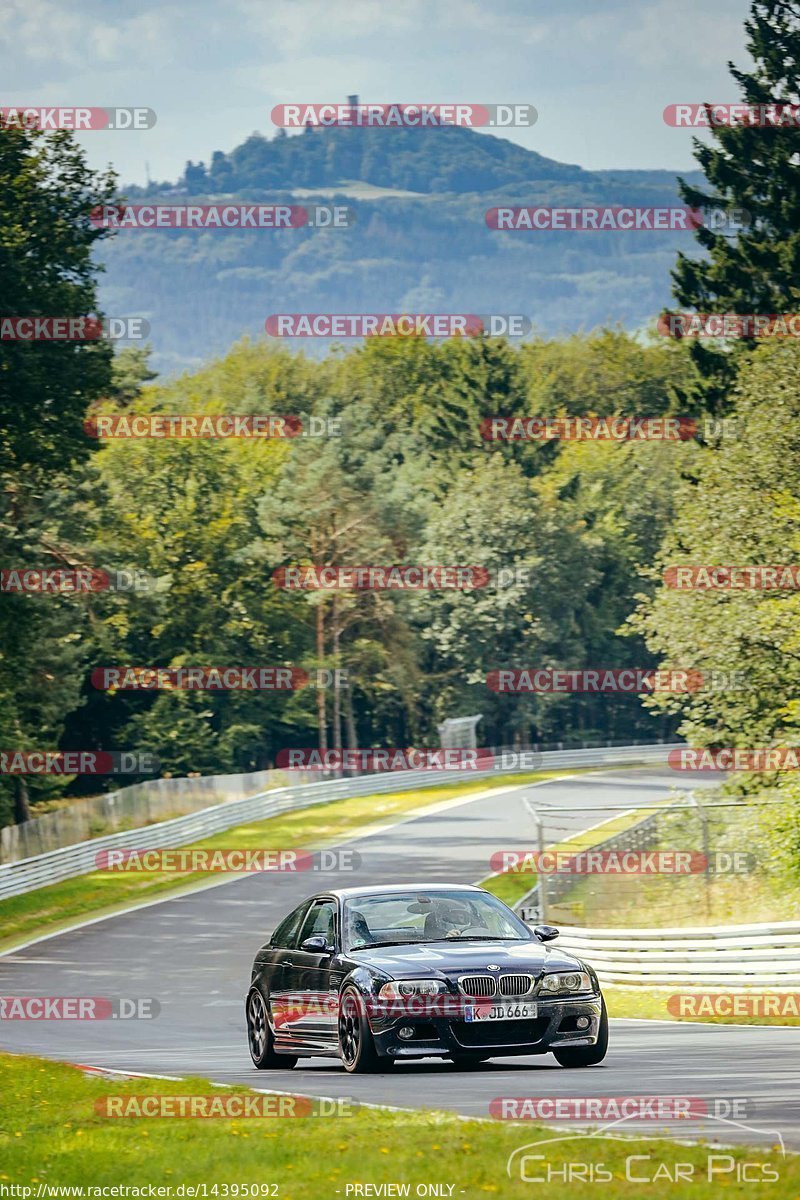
(79, 859)
(133, 806)
(703, 956)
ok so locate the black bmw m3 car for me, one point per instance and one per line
(371, 975)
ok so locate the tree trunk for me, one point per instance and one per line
(322, 714)
(22, 808)
(350, 724)
(337, 705)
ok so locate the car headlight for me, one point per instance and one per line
(402, 989)
(566, 981)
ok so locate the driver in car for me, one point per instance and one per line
(358, 931)
(445, 919)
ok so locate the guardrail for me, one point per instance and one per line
(700, 956)
(133, 806)
(43, 869)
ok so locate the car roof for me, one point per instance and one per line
(384, 889)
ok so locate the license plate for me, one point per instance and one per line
(513, 1011)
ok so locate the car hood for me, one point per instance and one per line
(436, 959)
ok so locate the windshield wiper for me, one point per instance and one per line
(477, 937)
(472, 937)
(376, 945)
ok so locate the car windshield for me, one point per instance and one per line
(396, 919)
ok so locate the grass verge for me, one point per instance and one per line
(652, 1003)
(52, 1136)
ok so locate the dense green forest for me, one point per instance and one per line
(409, 479)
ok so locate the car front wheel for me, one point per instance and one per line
(356, 1044)
(259, 1035)
(586, 1056)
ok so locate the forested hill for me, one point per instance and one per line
(427, 161)
(445, 159)
(420, 243)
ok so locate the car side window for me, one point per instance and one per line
(285, 936)
(320, 922)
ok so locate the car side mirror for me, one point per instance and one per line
(316, 945)
(546, 933)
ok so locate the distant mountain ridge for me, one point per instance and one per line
(428, 252)
(449, 159)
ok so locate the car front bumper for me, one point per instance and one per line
(554, 1026)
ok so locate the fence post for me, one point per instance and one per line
(703, 815)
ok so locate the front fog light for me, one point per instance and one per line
(583, 1022)
(406, 1032)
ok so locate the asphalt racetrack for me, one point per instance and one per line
(193, 953)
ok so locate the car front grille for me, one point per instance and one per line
(499, 1033)
(515, 985)
(478, 985)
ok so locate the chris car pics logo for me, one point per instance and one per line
(591, 1157)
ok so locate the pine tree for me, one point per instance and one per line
(47, 194)
(756, 168)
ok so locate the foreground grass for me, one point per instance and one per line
(50, 908)
(651, 1002)
(52, 1135)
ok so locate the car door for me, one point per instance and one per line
(307, 982)
(271, 964)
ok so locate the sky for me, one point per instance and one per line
(599, 73)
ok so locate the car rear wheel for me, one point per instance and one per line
(259, 1035)
(356, 1043)
(586, 1056)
